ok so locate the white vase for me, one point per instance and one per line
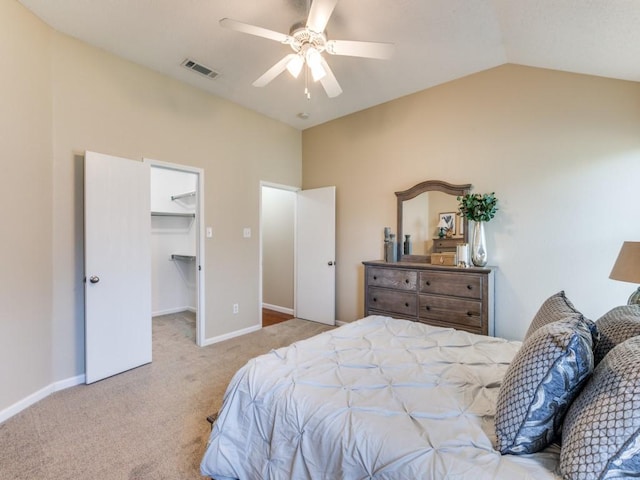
(478, 245)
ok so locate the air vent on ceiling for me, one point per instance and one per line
(198, 67)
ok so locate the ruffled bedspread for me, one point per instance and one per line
(378, 398)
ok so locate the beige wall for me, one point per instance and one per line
(25, 196)
(109, 105)
(61, 97)
(561, 151)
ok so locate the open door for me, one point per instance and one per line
(315, 255)
(117, 265)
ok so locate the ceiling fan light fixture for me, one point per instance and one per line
(313, 57)
(314, 60)
(295, 66)
(317, 72)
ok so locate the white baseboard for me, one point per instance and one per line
(227, 336)
(39, 395)
(69, 382)
(277, 308)
(173, 310)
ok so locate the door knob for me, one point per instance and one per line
(330, 263)
(94, 279)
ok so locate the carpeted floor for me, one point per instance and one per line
(147, 423)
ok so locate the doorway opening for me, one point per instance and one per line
(297, 251)
(277, 252)
(177, 253)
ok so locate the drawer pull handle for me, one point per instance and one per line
(469, 287)
(406, 304)
(469, 314)
(427, 308)
(375, 278)
(406, 280)
(428, 283)
(375, 299)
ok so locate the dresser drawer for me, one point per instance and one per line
(392, 301)
(456, 284)
(392, 278)
(446, 244)
(453, 311)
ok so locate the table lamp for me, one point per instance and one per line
(627, 268)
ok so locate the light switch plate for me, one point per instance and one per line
(246, 233)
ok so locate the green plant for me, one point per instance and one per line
(478, 207)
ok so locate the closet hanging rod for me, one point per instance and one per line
(172, 214)
(183, 195)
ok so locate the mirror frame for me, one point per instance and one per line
(422, 187)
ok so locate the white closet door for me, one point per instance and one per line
(117, 265)
(315, 255)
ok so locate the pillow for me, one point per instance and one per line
(554, 308)
(541, 382)
(601, 434)
(615, 327)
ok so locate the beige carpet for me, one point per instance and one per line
(148, 423)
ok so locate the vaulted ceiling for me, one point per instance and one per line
(435, 41)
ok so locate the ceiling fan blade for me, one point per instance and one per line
(351, 48)
(329, 82)
(319, 14)
(274, 71)
(254, 30)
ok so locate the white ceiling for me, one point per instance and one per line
(436, 41)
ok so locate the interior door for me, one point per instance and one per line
(117, 265)
(315, 255)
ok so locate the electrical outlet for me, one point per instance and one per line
(235, 308)
(246, 232)
(209, 232)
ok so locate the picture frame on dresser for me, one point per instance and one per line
(451, 221)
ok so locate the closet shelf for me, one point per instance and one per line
(172, 214)
(184, 258)
(183, 195)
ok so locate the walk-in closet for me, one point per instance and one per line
(173, 246)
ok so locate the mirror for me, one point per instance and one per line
(419, 211)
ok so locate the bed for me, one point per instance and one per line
(382, 398)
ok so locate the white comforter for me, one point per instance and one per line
(377, 398)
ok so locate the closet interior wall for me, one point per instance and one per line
(173, 241)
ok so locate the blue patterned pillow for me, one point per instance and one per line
(601, 433)
(616, 326)
(541, 382)
(554, 308)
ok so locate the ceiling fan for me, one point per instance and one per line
(308, 40)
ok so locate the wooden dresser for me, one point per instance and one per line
(460, 298)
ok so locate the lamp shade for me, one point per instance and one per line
(627, 266)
